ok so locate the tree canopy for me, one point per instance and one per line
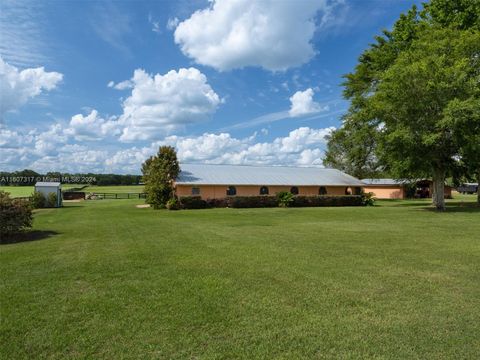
(407, 93)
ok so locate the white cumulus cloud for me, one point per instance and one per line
(53, 149)
(302, 103)
(18, 86)
(91, 127)
(229, 34)
(160, 103)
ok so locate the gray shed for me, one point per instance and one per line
(50, 187)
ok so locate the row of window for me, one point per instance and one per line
(322, 190)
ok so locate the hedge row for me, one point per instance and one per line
(196, 202)
(326, 200)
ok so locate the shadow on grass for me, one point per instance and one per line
(27, 236)
(451, 207)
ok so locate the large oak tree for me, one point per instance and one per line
(407, 93)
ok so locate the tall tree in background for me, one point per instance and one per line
(159, 173)
(351, 149)
(402, 89)
(418, 137)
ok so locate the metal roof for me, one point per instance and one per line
(42, 183)
(206, 174)
(384, 182)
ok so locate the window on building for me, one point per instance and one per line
(195, 191)
(231, 191)
(322, 190)
(294, 190)
(348, 191)
(264, 190)
(358, 190)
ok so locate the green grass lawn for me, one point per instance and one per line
(22, 191)
(115, 189)
(18, 191)
(114, 281)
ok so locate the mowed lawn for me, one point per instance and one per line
(24, 191)
(118, 282)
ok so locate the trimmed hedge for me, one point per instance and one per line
(326, 200)
(196, 202)
(192, 202)
(253, 201)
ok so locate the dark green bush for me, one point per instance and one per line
(326, 200)
(284, 198)
(196, 202)
(15, 215)
(192, 202)
(218, 203)
(253, 201)
(38, 200)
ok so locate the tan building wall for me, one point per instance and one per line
(397, 192)
(220, 191)
(386, 192)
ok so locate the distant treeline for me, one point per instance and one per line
(29, 177)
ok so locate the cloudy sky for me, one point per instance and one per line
(99, 85)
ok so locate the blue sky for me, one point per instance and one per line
(99, 85)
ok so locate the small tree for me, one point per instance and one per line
(159, 173)
(15, 215)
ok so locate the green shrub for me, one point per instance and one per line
(192, 202)
(51, 200)
(368, 199)
(326, 200)
(284, 198)
(15, 215)
(218, 203)
(173, 204)
(38, 200)
(252, 201)
(196, 202)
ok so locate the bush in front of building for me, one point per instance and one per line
(15, 215)
(218, 203)
(196, 202)
(326, 200)
(192, 202)
(173, 204)
(285, 198)
(38, 200)
(368, 199)
(252, 201)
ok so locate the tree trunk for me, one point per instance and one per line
(438, 196)
(478, 188)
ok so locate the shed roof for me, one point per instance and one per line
(206, 174)
(45, 183)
